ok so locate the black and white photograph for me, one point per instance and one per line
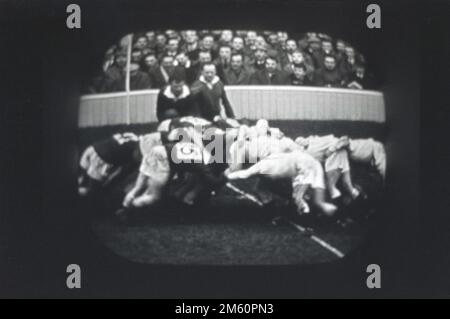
(221, 149)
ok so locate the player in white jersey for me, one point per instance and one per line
(332, 153)
(302, 169)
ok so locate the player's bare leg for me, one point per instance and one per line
(319, 200)
(332, 177)
(348, 185)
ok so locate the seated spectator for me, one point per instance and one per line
(237, 74)
(271, 75)
(329, 75)
(176, 100)
(360, 79)
(299, 76)
(113, 73)
(138, 80)
(213, 100)
(161, 75)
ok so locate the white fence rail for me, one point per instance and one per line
(252, 102)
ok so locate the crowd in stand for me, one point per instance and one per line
(239, 58)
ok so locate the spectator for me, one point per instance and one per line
(271, 75)
(226, 37)
(360, 79)
(329, 75)
(172, 48)
(151, 39)
(159, 53)
(141, 43)
(136, 56)
(223, 61)
(161, 75)
(237, 74)
(113, 73)
(138, 80)
(161, 42)
(213, 100)
(299, 76)
(176, 100)
(191, 46)
(150, 63)
(315, 51)
(348, 64)
(182, 62)
(260, 59)
(209, 45)
(287, 57)
(250, 40)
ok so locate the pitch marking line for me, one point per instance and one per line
(318, 240)
(244, 194)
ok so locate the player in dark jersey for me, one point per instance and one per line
(163, 163)
(105, 160)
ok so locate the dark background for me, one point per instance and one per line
(41, 230)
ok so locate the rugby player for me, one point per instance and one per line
(106, 159)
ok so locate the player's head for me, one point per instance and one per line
(262, 127)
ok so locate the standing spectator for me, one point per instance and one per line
(260, 59)
(161, 75)
(348, 64)
(161, 42)
(191, 46)
(172, 48)
(140, 43)
(151, 40)
(226, 37)
(208, 45)
(271, 75)
(223, 61)
(287, 57)
(360, 79)
(329, 75)
(237, 74)
(136, 56)
(182, 62)
(176, 100)
(213, 100)
(315, 51)
(150, 63)
(250, 40)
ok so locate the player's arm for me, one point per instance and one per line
(138, 188)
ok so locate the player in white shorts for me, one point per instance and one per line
(332, 153)
(302, 169)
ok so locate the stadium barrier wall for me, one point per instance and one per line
(252, 102)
